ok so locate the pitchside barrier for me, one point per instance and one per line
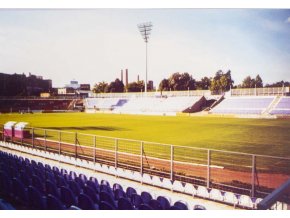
(250, 174)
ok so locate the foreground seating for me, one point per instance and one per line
(39, 186)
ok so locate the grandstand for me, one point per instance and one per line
(146, 105)
(36, 105)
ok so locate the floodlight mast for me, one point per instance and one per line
(145, 30)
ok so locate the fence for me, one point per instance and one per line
(153, 94)
(266, 91)
(250, 174)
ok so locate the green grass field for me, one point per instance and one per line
(259, 136)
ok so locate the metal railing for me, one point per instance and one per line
(243, 173)
(266, 91)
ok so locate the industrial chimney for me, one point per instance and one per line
(122, 75)
(126, 77)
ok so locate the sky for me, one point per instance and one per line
(93, 45)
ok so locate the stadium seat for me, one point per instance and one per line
(147, 179)
(67, 196)
(106, 206)
(105, 196)
(156, 181)
(216, 195)
(155, 204)
(5, 205)
(231, 198)
(177, 186)
(19, 191)
(86, 203)
(53, 203)
(144, 207)
(181, 205)
(146, 197)
(124, 204)
(164, 202)
(51, 188)
(189, 189)
(130, 191)
(36, 199)
(106, 183)
(202, 192)
(119, 193)
(93, 185)
(199, 207)
(91, 193)
(76, 189)
(117, 186)
(136, 200)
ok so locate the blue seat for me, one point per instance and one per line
(63, 171)
(73, 207)
(146, 197)
(73, 175)
(163, 202)
(104, 196)
(155, 204)
(91, 193)
(50, 176)
(130, 191)
(144, 207)
(80, 182)
(51, 188)
(124, 204)
(36, 182)
(60, 181)
(181, 205)
(36, 200)
(174, 208)
(86, 203)
(93, 186)
(106, 206)
(105, 182)
(67, 196)
(94, 180)
(55, 169)
(25, 179)
(117, 186)
(75, 187)
(19, 191)
(136, 200)
(83, 177)
(47, 167)
(53, 203)
(5, 184)
(107, 189)
(40, 165)
(5, 205)
(119, 193)
(67, 177)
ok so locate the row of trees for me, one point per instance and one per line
(118, 86)
(221, 82)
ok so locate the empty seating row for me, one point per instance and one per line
(142, 105)
(243, 105)
(165, 183)
(33, 185)
(283, 107)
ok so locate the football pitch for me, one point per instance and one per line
(255, 136)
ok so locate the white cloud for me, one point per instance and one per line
(288, 20)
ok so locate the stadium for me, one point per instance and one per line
(189, 143)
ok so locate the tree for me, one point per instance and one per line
(259, 81)
(221, 82)
(116, 86)
(164, 85)
(181, 81)
(278, 84)
(203, 84)
(136, 86)
(101, 87)
(249, 82)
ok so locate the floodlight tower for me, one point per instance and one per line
(145, 30)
